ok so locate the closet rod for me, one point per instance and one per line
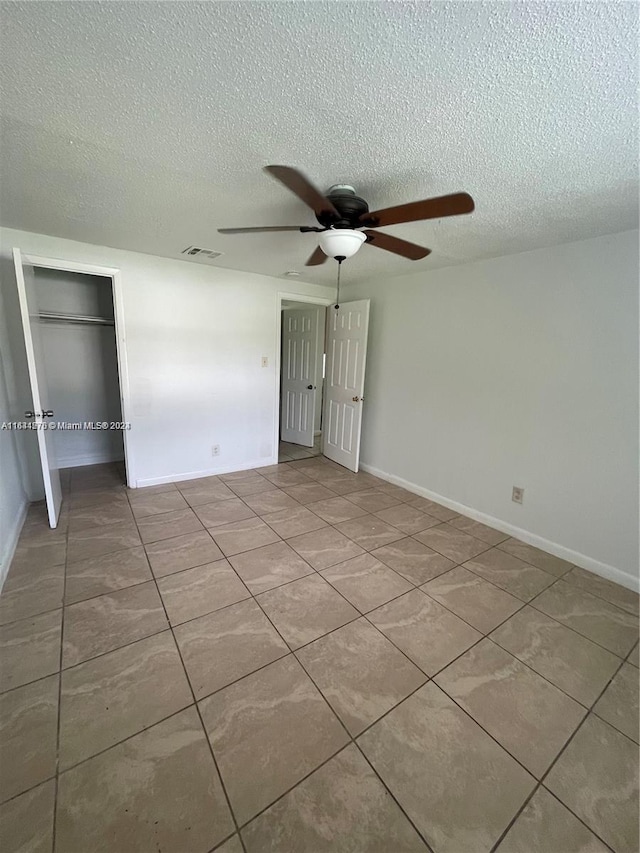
(75, 318)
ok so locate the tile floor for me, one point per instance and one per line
(291, 452)
(303, 660)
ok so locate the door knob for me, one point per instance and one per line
(311, 387)
(29, 414)
(47, 414)
(357, 399)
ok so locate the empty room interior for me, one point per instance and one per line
(319, 459)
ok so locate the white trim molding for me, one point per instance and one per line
(603, 569)
(11, 542)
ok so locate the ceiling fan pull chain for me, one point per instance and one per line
(337, 305)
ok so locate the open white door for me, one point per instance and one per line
(40, 413)
(348, 327)
(299, 356)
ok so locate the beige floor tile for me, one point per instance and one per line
(373, 500)
(278, 716)
(369, 531)
(243, 535)
(554, 565)
(28, 593)
(108, 573)
(510, 573)
(153, 528)
(307, 493)
(366, 582)
(294, 522)
(546, 826)
(158, 791)
(634, 657)
(233, 845)
(397, 492)
(335, 510)
(98, 625)
(413, 560)
(223, 512)
(94, 497)
(222, 647)
(324, 548)
(361, 674)
(480, 531)
(144, 504)
(195, 592)
(456, 784)
(30, 649)
(530, 717)
(270, 566)
(343, 484)
(28, 735)
(623, 598)
(433, 508)
(36, 550)
(592, 617)
(619, 703)
(342, 806)
(112, 697)
(196, 493)
(158, 489)
(99, 515)
(473, 599)
(182, 552)
(237, 476)
(407, 518)
(425, 631)
(571, 662)
(251, 486)
(274, 500)
(597, 778)
(452, 543)
(285, 478)
(26, 822)
(84, 544)
(306, 609)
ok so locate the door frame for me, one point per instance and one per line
(281, 297)
(115, 275)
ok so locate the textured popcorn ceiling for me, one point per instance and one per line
(145, 125)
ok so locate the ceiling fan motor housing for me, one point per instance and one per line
(349, 205)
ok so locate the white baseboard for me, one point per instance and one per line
(210, 472)
(11, 542)
(88, 459)
(603, 569)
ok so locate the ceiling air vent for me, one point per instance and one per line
(204, 256)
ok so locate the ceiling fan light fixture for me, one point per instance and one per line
(341, 242)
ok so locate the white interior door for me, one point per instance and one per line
(300, 329)
(42, 412)
(348, 327)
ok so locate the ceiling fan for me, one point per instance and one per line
(346, 221)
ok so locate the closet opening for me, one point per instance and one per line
(72, 324)
(81, 362)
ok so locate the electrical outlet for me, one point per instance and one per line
(517, 495)
(265, 361)
(215, 450)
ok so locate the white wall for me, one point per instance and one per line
(13, 500)
(520, 370)
(81, 366)
(195, 337)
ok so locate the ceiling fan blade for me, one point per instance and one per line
(394, 244)
(316, 258)
(304, 189)
(260, 229)
(429, 208)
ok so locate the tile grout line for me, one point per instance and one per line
(199, 713)
(361, 615)
(540, 782)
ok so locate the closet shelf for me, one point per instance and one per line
(54, 317)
